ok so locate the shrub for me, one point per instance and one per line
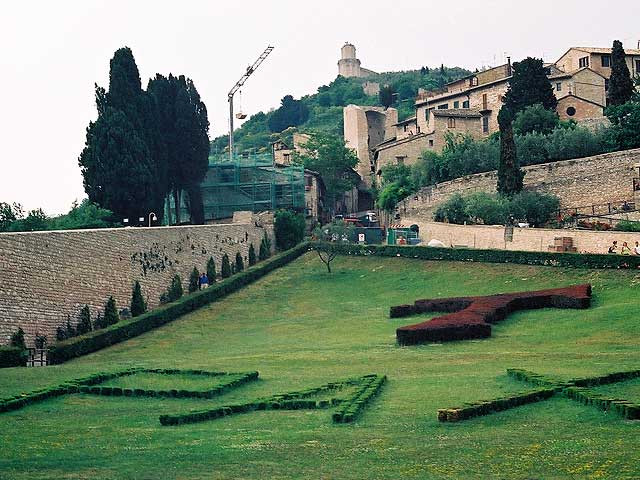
(71, 331)
(40, 341)
(453, 210)
(61, 333)
(12, 357)
(194, 278)
(17, 339)
(536, 208)
(138, 305)
(175, 289)
(239, 263)
(567, 143)
(532, 149)
(626, 226)
(226, 267)
(84, 321)
(211, 270)
(535, 118)
(472, 316)
(110, 312)
(252, 255)
(289, 229)
(486, 208)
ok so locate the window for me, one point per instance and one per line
(571, 111)
(456, 104)
(485, 124)
(558, 86)
(405, 128)
(583, 62)
(431, 143)
(606, 60)
(465, 104)
(286, 157)
(451, 122)
(484, 101)
(444, 106)
(473, 82)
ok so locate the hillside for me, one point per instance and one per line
(325, 106)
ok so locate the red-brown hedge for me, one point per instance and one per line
(471, 317)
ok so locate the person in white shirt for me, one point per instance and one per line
(636, 249)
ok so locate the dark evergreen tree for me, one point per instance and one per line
(71, 331)
(226, 267)
(175, 289)
(252, 255)
(138, 305)
(61, 334)
(620, 84)
(386, 96)
(211, 270)
(509, 173)
(99, 322)
(17, 339)
(529, 85)
(290, 114)
(263, 254)
(194, 278)
(84, 321)
(289, 229)
(239, 262)
(111, 316)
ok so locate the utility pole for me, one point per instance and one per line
(236, 87)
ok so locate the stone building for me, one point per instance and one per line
(349, 65)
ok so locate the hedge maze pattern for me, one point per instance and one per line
(471, 317)
(367, 388)
(348, 408)
(575, 389)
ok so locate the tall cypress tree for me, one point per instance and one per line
(138, 305)
(211, 270)
(620, 84)
(509, 173)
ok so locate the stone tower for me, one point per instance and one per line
(349, 65)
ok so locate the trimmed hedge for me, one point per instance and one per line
(577, 260)
(472, 316)
(574, 389)
(370, 385)
(350, 409)
(12, 357)
(124, 330)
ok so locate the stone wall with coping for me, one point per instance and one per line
(45, 276)
(525, 239)
(579, 182)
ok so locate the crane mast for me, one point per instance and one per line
(236, 87)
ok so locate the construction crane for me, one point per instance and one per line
(236, 87)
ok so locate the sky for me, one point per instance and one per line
(54, 52)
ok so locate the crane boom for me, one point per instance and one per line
(236, 87)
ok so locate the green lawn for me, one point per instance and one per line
(300, 327)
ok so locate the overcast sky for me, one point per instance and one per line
(54, 51)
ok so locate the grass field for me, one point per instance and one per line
(300, 327)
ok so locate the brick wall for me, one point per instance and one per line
(45, 276)
(525, 239)
(584, 181)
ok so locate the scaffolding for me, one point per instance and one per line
(248, 182)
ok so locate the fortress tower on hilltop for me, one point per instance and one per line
(349, 65)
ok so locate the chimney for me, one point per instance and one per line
(509, 71)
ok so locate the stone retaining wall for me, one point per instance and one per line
(584, 181)
(45, 276)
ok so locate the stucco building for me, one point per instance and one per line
(349, 65)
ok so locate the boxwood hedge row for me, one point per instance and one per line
(577, 260)
(625, 408)
(12, 357)
(349, 410)
(126, 329)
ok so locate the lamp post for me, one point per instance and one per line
(152, 217)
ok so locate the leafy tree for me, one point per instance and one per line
(84, 321)
(290, 114)
(392, 194)
(17, 339)
(138, 305)
(226, 267)
(194, 280)
(83, 215)
(9, 213)
(487, 209)
(625, 132)
(536, 208)
(239, 263)
(35, 220)
(386, 96)
(329, 156)
(331, 236)
(621, 86)
(535, 118)
(111, 316)
(211, 270)
(509, 174)
(289, 229)
(252, 255)
(529, 85)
